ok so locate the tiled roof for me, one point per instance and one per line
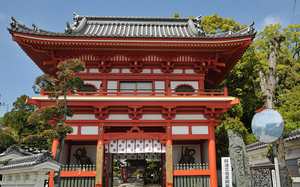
(26, 161)
(137, 27)
(257, 145)
(22, 151)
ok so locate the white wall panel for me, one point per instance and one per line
(180, 130)
(89, 130)
(94, 70)
(160, 85)
(118, 117)
(152, 117)
(95, 83)
(189, 117)
(199, 129)
(194, 84)
(178, 71)
(75, 130)
(82, 117)
(112, 85)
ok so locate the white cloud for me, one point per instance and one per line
(271, 20)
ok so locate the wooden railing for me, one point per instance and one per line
(75, 167)
(191, 175)
(197, 166)
(77, 182)
(147, 92)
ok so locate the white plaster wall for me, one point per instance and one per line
(95, 83)
(194, 84)
(146, 71)
(115, 70)
(126, 70)
(89, 130)
(178, 71)
(118, 117)
(94, 70)
(25, 179)
(160, 85)
(152, 117)
(91, 152)
(82, 117)
(75, 130)
(199, 129)
(112, 85)
(189, 117)
(180, 130)
(157, 71)
(189, 71)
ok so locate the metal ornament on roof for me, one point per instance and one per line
(267, 125)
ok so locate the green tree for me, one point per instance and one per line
(50, 119)
(15, 122)
(215, 23)
(236, 81)
(290, 109)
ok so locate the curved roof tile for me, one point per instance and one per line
(137, 27)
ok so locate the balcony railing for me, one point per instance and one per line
(196, 166)
(147, 92)
(75, 167)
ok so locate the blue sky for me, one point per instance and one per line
(17, 71)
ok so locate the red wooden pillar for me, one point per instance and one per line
(169, 163)
(212, 161)
(99, 163)
(55, 144)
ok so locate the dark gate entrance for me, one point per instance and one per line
(136, 170)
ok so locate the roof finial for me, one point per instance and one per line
(14, 24)
(75, 19)
(197, 22)
(68, 28)
(35, 28)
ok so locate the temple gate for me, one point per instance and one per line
(149, 116)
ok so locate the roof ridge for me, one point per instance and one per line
(136, 17)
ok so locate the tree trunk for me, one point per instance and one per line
(268, 86)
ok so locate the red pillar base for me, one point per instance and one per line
(169, 185)
(99, 185)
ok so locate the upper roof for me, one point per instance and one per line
(133, 27)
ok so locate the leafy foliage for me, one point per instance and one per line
(243, 81)
(15, 121)
(26, 124)
(65, 79)
(290, 109)
(215, 23)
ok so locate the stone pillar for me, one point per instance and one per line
(212, 161)
(99, 163)
(169, 164)
(55, 144)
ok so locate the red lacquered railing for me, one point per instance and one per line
(147, 92)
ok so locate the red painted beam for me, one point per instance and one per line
(192, 172)
(78, 173)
